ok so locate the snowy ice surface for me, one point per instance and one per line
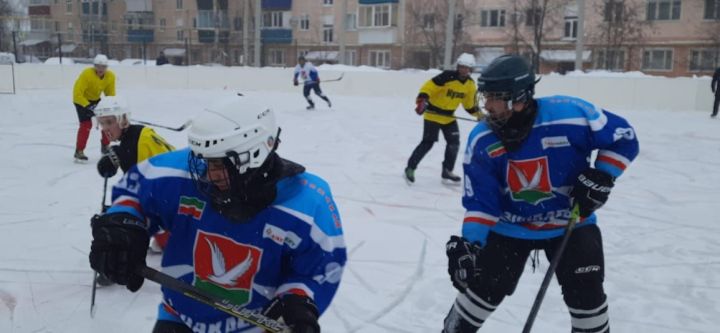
(660, 227)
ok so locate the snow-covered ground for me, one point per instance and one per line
(660, 227)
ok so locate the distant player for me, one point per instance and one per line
(88, 88)
(306, 72)
(525, 166)
(437, 101)
(245, 225)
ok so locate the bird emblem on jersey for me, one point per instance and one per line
(219, 274)
(225, 267)
(529, 180)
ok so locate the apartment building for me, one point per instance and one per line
(659, 37)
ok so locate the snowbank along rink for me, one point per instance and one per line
(626, 90)
(660, 227)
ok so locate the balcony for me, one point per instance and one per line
(208, 36)
(276, 36)
(386, 35)
(39, 10)
(141, 35)
(206, 20)
(276, 4)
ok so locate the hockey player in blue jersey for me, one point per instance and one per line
(525, 166)
(246, 225)
(306, 72)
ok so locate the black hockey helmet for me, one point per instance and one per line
(511, 79)
(509, 74)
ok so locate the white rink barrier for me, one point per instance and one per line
(610, 92)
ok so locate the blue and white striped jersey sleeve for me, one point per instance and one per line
(613, 137)
(316, 246)
(482, 190)
(137, 192)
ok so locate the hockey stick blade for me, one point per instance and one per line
(334, 80)
(255, 318)
(176, 129)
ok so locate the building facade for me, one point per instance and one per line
(659, 37)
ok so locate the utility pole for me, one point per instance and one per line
(449, 32)
(341, 34)
(579, 42)
(258, 24)
(246, 32)
(59, 47)
(216, 19)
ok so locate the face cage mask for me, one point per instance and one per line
(512, 127)
(236, 183)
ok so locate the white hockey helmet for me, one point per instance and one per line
(113, 106)
(237, 129)
(100, 60)
(466, 59)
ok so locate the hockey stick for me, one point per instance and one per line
(334, 80)
(95, 273)
(331, 80)
(454, 117)
(255, 318)
(574, 216)
(176, 129)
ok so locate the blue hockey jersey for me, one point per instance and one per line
(294, 245)
(307, 73)
(524, 193)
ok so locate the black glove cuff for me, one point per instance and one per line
(123, 220)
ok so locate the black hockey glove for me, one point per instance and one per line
(298, 312)
(591, 190)
(461, 262)
(107, 165)
(119, 247)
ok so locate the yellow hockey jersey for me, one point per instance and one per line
(444, 93)
(89, 86)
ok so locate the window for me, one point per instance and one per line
(704, 59)
(327, 33)
(273, 20)
(276, 57)
(375, 16)
(613, 11)
(657, 59)
(663, 10)
(351, 57)
(178, 4)
(68, 6)
(237, 23)
(70, 32)
(532, 17)
(305, 22)
(712, 10)
(492, 18)
(327, 2)
(162, 25)
(205, 19)
(571, 25)
(428, 21)
(57, 26)
(181, 35)
(379, 58)
(610, 59)
(350, 22)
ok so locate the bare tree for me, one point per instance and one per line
(6, 11)
(530, 24)
(622, 26)
(428, 20)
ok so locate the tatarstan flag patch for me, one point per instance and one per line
(496, 149)
(191, 206)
